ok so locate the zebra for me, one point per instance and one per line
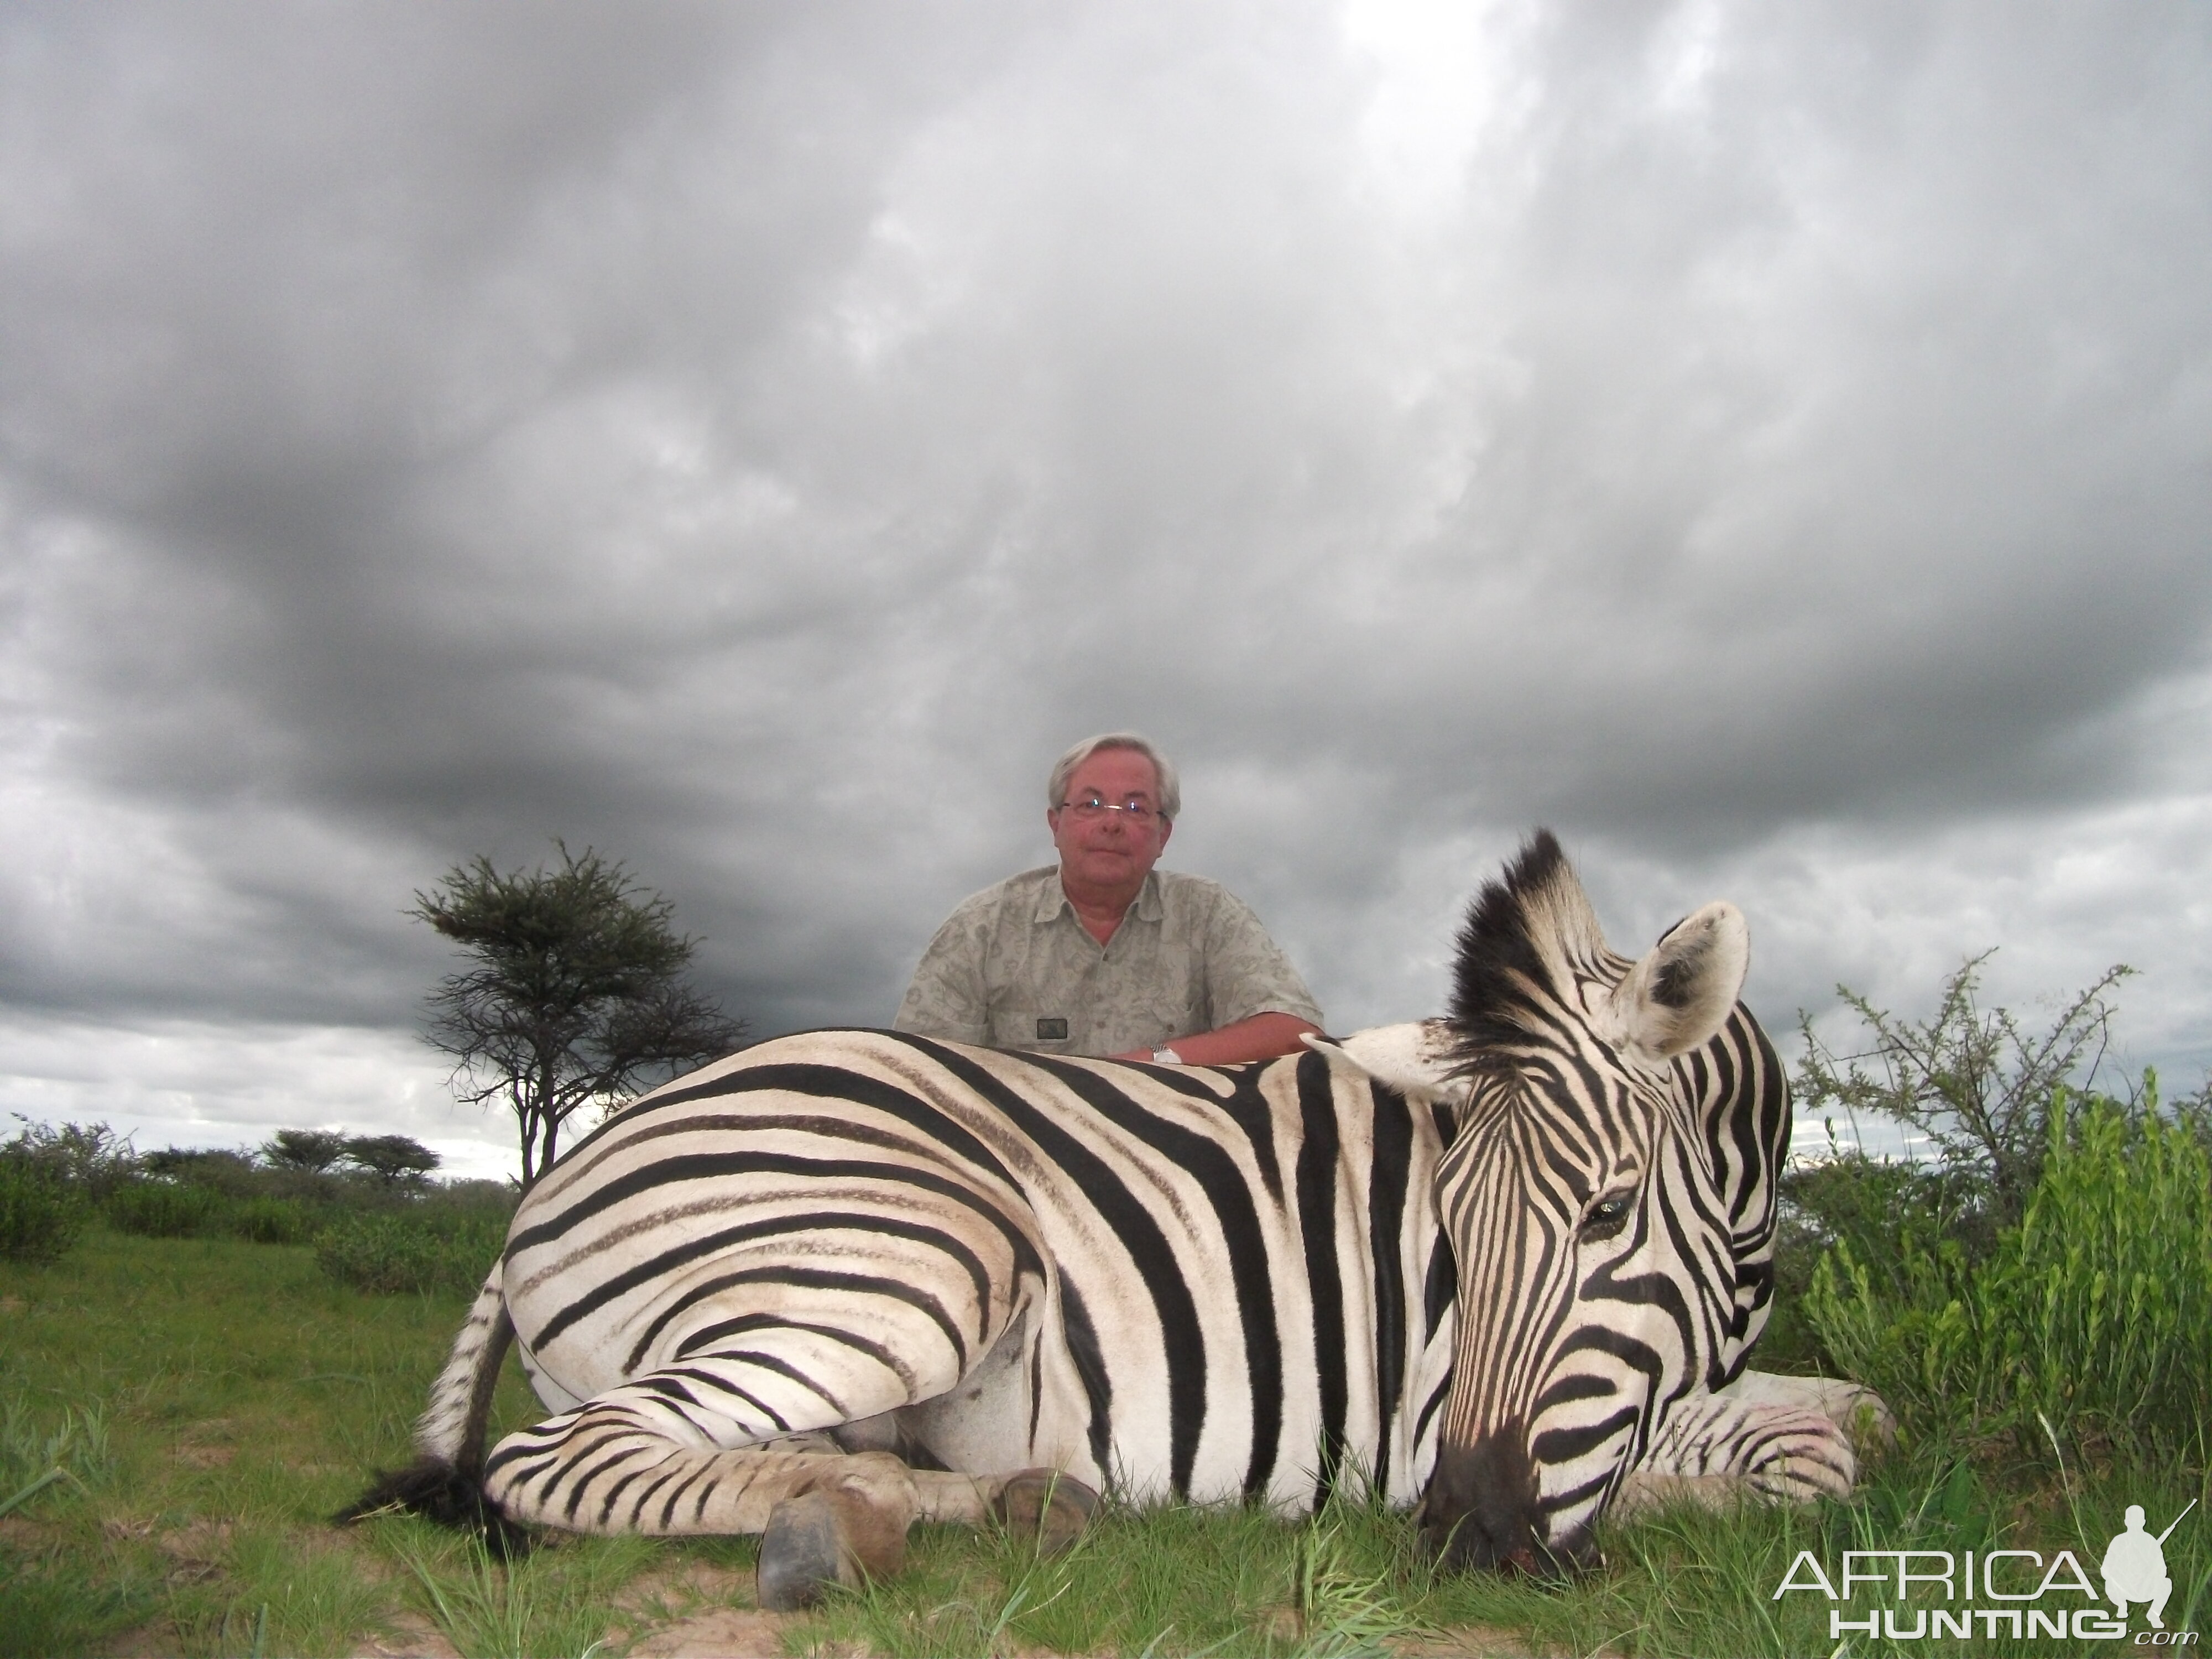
(1507, 1266)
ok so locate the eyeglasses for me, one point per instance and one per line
(1091, 807)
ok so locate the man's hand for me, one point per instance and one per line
(1263, 1036)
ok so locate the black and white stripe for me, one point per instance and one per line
(1610, 1194)
(913, 1268)
(1205, 1273)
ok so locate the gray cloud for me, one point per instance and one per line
(1770, 445)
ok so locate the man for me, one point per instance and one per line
(1102, 954)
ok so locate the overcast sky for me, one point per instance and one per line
(1770, 445)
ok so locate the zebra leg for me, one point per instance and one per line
(628, 1462)
(1045, 1508)
(1857, 1410)
(647, 1458)
(1717, 1449)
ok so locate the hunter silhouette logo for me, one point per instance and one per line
(1988, 1593)
(2135, 1566)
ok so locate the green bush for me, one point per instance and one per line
(168, 1209)
(2095, 1313)
(274, 1221)
(40, 1214)
(90, 1157)
(1872, 1206)
(1973, 1083)
(412, 1250)
(220, 1168)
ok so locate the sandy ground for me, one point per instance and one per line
(744, 1633)
(715, 1629)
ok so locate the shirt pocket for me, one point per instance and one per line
(1026, 1028)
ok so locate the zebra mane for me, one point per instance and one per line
(1528, 938)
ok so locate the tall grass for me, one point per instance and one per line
(556, 1603)
(41, 1216)
(2094, 1315)
(421, 1248)
(170, 1209)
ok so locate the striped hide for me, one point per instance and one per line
(1505, 1265)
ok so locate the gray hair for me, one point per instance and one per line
(1056, 787)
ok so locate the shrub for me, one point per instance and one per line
(218, 1169)
(2095, 1312)
(40, 1214)
(417, 1249)
(90, 1157)
(494, 1199)
(168, 1209)
(1971, 1080)
(274, 1221)
(1869, 1205)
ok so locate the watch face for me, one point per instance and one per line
(1052, 1031)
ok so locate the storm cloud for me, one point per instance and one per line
(1771, 446)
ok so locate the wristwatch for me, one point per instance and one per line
(1166, 1057)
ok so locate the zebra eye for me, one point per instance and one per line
(1607, 1215)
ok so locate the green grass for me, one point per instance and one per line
(214, 1401)
(421, 1250)
(210, 1401)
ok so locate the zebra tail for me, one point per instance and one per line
(445, 1483)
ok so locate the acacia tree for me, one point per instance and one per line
(396, 1160)
(1972, 1079)
(577, 994)
(310, 1151)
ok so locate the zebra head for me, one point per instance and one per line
(1596, 1273)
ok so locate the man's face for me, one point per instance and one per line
(1106, 850)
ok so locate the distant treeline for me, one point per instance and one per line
(368, 1204)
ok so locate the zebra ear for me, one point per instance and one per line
(1682, 992)
(1409, 1058)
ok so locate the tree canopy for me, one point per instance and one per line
(310, 1149)
(575, 994)
(396, 1160)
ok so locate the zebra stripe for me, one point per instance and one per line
(1612, 1196)
(1251, 1340)
(1504, 1264)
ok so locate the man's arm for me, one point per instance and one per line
(1262, 1002)
(1262, 1036)
(946, 998)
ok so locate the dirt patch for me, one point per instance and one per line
(206, 1445)
(11, 1305)
(155, 1640)
(201, 1541)
(698, 1609)
(411, 1637)
(197, 1551)
(734, 1631)
(1467, 1642)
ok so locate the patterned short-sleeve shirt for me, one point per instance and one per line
(1014, 967)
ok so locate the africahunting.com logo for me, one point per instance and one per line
(1902, 1595)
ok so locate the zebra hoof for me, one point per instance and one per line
(802, 1554)
(1045, 1508)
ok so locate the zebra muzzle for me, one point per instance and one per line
(1480, 1511)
